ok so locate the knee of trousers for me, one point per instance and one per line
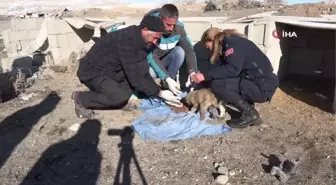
(218, 86)
(179, 54)
(121, 100)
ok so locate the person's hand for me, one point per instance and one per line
(173, 86)
(170, 98)
(189, 81)
(198, 78)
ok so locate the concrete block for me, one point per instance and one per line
(52, 40)
(13, 54)
(24, 24)
(74, 41)
(305, 61)
(60, 55)
(62, 41)
(39, 22)
(6, 39)
(256, 33)
(33, 34)
(58, 26)
(195, 30)
(17, 36)
(14, 47)
(328, 66)
(6, 64)
(25, 44)
(240, 27)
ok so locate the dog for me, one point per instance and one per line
(202, 100)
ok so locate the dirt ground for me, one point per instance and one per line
(38, 145)
(304, 10)
(308, 10)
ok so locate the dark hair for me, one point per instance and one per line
(169, 10)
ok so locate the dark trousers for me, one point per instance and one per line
(236, 89)
(105, 93)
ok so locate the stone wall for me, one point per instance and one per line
(61, 39)
(312, 52)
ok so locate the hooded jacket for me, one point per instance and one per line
(166, 44)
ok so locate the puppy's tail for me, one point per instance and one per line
(222, 109)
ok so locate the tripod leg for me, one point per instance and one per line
(139, 169)
(127, 163)
(117, 175)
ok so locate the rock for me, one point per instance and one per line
(74, 127)
(232, 173)
(216, 165)
(58, 69)
(26, 96)
(47, 74)
(255, 177)
(288, 167)
(223, 170)
(276, 171)
(222, 179)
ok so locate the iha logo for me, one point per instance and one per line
(283, 34)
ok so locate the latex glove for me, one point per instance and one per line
(198, 78)
(173, 86)
(170, 98)
(189, 81)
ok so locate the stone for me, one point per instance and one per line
(222, 170)
(222, 179)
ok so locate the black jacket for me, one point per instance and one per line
(242, 58)
(120, 55)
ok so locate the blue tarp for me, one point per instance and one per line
(160, 123)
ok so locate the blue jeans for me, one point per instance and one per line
(172, 62)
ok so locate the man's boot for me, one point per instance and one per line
(81, 111)
(249, 117)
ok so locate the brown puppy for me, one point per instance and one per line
(203, 99)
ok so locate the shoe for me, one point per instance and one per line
(249, 117)
(81, 111)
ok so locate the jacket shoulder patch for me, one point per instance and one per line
(229, 52)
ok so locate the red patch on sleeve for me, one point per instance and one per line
(229, 52)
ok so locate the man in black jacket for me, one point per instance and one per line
(116, 66)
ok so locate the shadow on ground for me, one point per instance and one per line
(17, 126)
(126, 155)
(313, 91)
(73, 161)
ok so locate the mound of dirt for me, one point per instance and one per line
(226, 5)
(308, 10)
(108, 13)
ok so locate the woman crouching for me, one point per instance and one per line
(243, 76)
